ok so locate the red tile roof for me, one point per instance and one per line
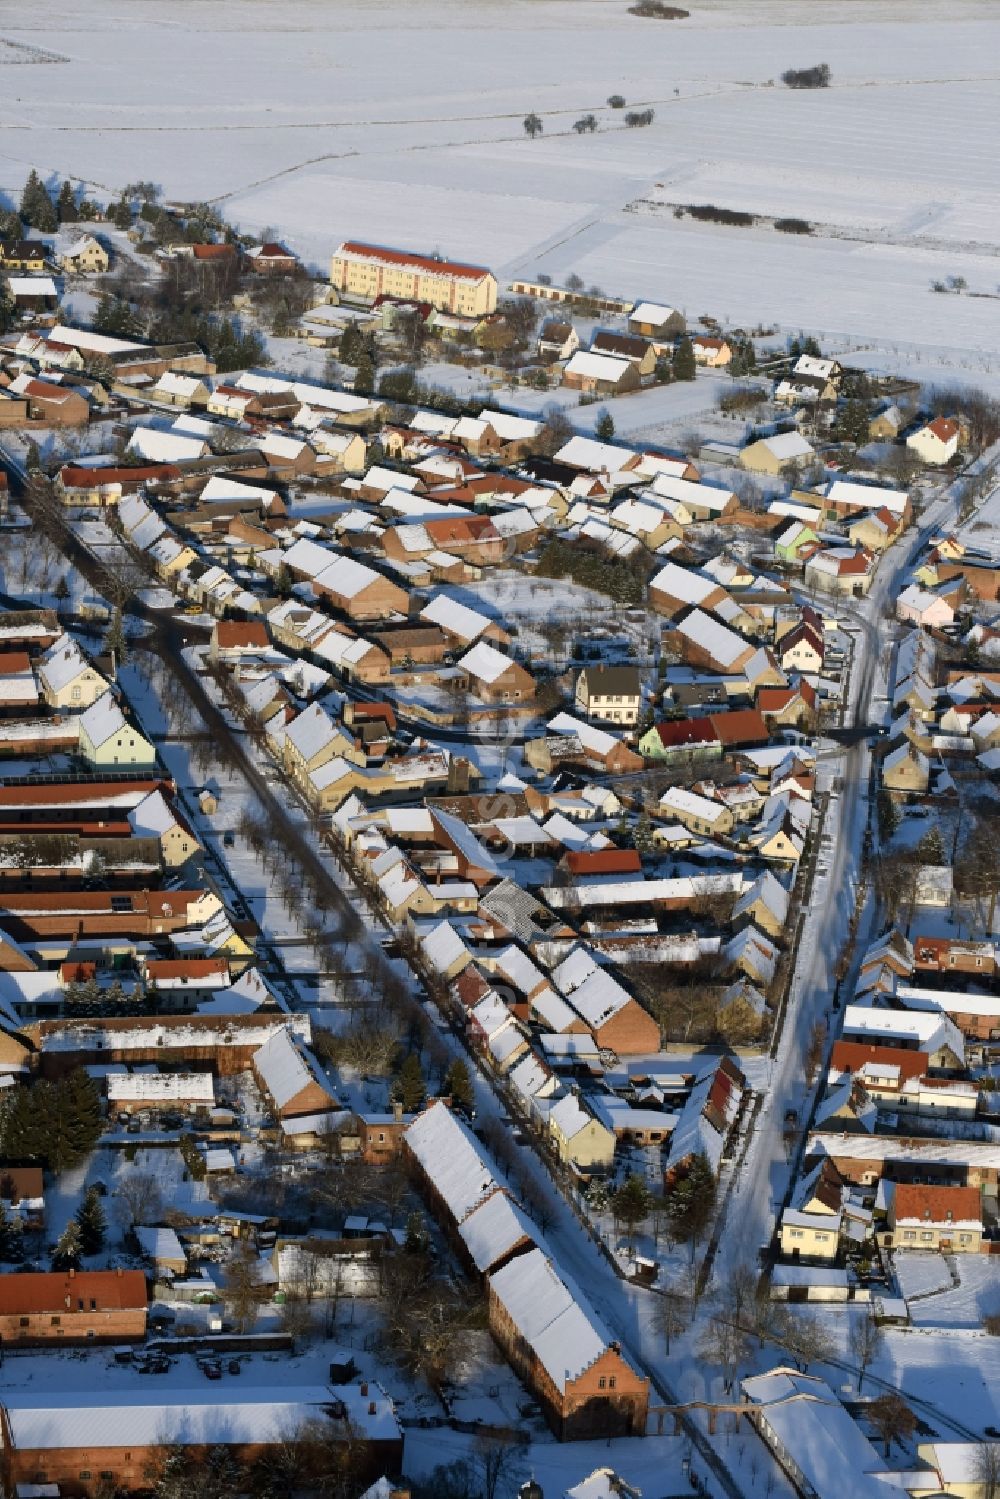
(851, 1056)
(364, 251)
(72, 477)
(45, 1291)
(236, 634)
(743, 726)
(603, 861)
(938, 1205)
(676, 732)
(944, 428)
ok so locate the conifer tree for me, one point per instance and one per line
(91, 1223)
(66, 203)
(410, 1087)
(684, 363)
(8, 308)
(121, 215)
(458, 1085)
(69, 1249)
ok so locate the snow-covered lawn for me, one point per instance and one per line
(366, 132)
(921, 1274)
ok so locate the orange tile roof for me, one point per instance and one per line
(364, 251)
(937, 1205)
(51, 1291)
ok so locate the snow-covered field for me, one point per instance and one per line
(324, 120)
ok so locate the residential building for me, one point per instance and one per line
(943, 1220)
(936, 442)
(578, 1138)
(86, 256)
(363, 272)
(610, 694)
(108, 739)
(72, 1307)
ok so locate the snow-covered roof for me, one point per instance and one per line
(286, 1068)
(452, 1159)
(165, 447)
(161, 1087)
(553, 1318)
(593, 456)
(152, 817)
(102, 719)
(723, 645)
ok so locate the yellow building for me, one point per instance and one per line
(580, 1139)
(87, 256)
(364, 272)
(108, 739)
(67, 678)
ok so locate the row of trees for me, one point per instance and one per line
(40, 210)
(534, 125)
(618, 580)
(54, 1124)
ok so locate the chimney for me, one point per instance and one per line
(364, 1387)
(397, 1109)
(71, 1274)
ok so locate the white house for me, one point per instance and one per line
(936, 441)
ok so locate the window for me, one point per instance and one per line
(926, 1238)
(612, 1381)
(909, 1234)
(602, 1383)
(84, 1473)
(106, 1473)
(76, 694)
(24, 1321)
(56, 1321)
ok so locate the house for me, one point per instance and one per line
(495, 677)
(186, 391)
(22, 1193)
(795, 543)
(678, 738)
(810, 1227)
(610, 694)
(945, 1220)
(765, 903)
(155, 818)
(819, 1445)
(33, 293)
(40, 1308)
(85, 256)
(706, 641)
(57, 405)
(626, 346)
(600, 374)
(714, 353)
(937, 441)
(578, 1138)
(557, 1345)
(801, 649)
(876, 530)
(842, 570)
(22, 255)
(233, 641)
(557, 340)
(920, 606)
(616, 1021)
(709, 818)
(272, 259)
(77, 1444)
(886, 424)
(906, 769)
(772, 455)
(362, 272)
(291, 1078)
(655, 320)
(107, 739)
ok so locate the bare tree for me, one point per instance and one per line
(986, 1469)
(498, 1463)
(672, 1312)
(724, 1344)
(865, 1340)
(139, 1199)
(892, 1419)
(242, 1286)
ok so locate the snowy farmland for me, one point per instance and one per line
(310, 118)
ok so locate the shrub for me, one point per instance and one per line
(658, 10)
(711, 212)
(815, 77)
(793, 226)
(617, 101)
(636, 118)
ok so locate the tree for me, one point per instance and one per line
(498, 1463)
(139, 1198)
(66, 203)
(725, 1344)
(121, 214)
(364, 374)
(604, 427)
(36, 205)
(91, 1222)
(8, 308)
(11, 1233)
(114, 640)
(892, 1419)
(672, 1312)
(684, 361)
(804, 1339)
(533, 126)
(586, 124)
(616, 101)
(930, 849)
(631, 1204)
(69, 1249)
(691, 1202)
(33, 459)
(242, 1286)
(865, 1340)
(61, 589)
(458, 1085)
(852, 423)
(410, 1088)
(986, 1469)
